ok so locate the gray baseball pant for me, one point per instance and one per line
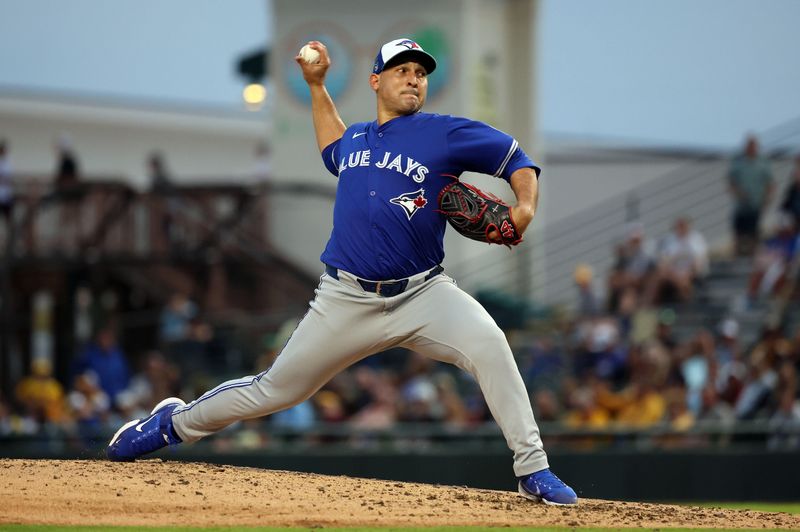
(345, 324)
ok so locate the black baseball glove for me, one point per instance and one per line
(475, 214)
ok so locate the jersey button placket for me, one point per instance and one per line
(373, 206)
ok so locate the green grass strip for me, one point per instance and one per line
(787, 507)
(56, 528)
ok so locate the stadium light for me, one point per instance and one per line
(253, 68)
(254, 95)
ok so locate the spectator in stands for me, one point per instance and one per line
(165, 202)
(727, 345)
(299, 417)
(262, 169)
(11, 423)
(201, 353)
(354, 389)
(5, 418)
(40, 395)
(584, 408)
(759, 385)
(787, 380)
(379, 409)
(249, 436)
(418, 395)
(645, 406)
(679, 416)
(793, 349)
(682, 263)
(784, 425)
(546, 406)
(762, 376)
(156, 378)
(588, 306)
(791, 198)
(175, 318)
(640, 403)
(451, 407)
(696, 358)
(6, 186)
(665, 333)
(157, 172)
(633, 325)
(602, 353)
(68, 192)
(730, 378)
(477, 409)
(772, 260)
(655, 361)
(652, 338)
(105, 359)
(713, 408)
(785, 421)
(67, 173)
(329, 406)
(751, 185)
(89, 404)
(633, 268)
(543, 364)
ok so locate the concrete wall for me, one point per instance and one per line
(113, 139)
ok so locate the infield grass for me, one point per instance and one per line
(787, 507)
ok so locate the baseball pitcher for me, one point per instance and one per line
(383, 285)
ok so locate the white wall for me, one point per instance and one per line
(112, 140)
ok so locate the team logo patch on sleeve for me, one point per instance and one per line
(411, 202)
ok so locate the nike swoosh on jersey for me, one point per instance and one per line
(359, 134)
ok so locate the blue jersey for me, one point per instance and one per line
(385, 220)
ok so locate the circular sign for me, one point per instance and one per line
(338, 77)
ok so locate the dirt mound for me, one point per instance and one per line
(154, 492)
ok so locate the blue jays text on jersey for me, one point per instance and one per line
(385, 220)
(404, 165)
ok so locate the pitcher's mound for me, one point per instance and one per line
(158, 493)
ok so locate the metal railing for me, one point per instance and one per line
(106, 217)
(697, 189)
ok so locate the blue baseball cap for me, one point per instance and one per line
(401, 49)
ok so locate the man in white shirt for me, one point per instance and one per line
(682, 261)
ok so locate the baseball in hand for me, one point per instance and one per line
(309, 55)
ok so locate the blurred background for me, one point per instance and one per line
(164, 207)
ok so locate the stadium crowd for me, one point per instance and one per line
(615, 363)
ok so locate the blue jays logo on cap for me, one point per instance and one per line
(408, 49)
(408, 43)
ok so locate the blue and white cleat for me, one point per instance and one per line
(142, 436)
(544, 486)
